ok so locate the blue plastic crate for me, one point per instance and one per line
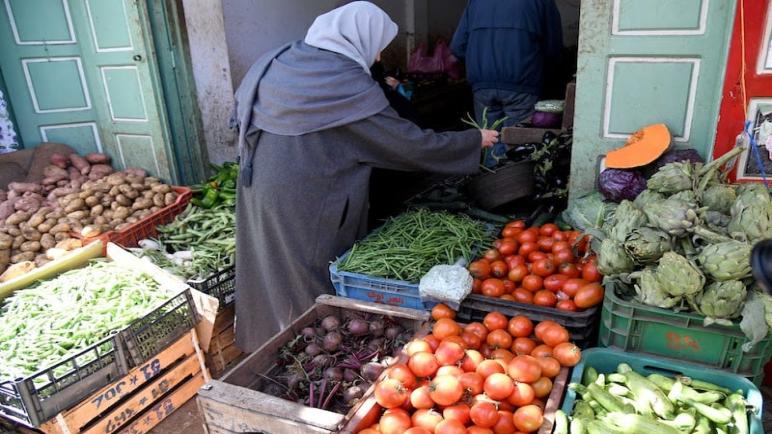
(605, 361)
(376, 289)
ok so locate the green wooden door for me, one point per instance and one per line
(643, 62)
(81, 72)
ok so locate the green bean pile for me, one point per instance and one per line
(407, 246)
(57, 318)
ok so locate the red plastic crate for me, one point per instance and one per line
(147, 227)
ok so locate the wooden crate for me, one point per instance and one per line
(222, 349)
(231, 405)
(141, 399)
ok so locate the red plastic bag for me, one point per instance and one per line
(441, 60)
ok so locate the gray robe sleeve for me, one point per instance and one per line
(388, 141)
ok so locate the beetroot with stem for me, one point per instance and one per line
(352, 394)
(333, 374)
(358, 327)
(330, 323)
(376, 328)
(393, 331)
(371, 371)
(313, 350)
(308, 333)
(332, 341)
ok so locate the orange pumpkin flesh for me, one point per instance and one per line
(642, 148)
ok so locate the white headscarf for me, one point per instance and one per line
(358, 30)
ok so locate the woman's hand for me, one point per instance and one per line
(392, 82)
(489, 138)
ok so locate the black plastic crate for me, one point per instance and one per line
(42, 395)
(147, 336)
(583, 326)
(221, 285)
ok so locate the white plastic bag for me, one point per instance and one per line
(449, 284)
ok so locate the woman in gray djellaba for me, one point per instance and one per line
(312, 123)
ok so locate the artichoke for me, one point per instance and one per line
(751, 221)
(672, 215)
(719, 198)
(647, 197)
(613, 259)
(730, 260)
(687, 196)
(672, 178)
(722, 299)
(650, 292)
(716, 221)
(678, 276)
(647, 245)
(752, 193)
(626, 218)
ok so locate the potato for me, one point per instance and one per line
(114, 191)
(61, 236)
(29, 233)
(18, 269)
(5, 241)
(23, 256)
(27, 204)
(13, 230)
(30, 246)
(170, 198)
(69, 244)
(108, 214)
(85, 193)
(46, 226)
(107, 202)
(99, 171)
(139, 186)
(132, 219)
(92, 201)
(80, 163)
(59, 160)
(7, 208)
(24, 187)
(114, 205)
(97, 158)
(75, 205)
(47, 241)
(17, 217)
(97, 210)
(78, 215)
(55, 172)
(41, 260)
(100, 220)
(73, 173)
(116, 179)
(123, 200)
(61, 227)
(161, 188)
(121, 213)
(56, 214)
(142, 203)
(91, 231)
(148, 194)
(36, 220)
(122, 226)
(18, 241)
(155, 209)
(101, 186)
(158, 200)
(5, 258)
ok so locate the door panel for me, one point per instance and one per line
(81, 73)
(642, 63)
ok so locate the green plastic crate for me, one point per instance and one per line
(605, 361)
(635, 327)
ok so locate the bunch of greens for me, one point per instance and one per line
(486, 152)
(407, 246)
(57, 318)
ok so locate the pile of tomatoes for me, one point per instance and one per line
(539, 265)
(491, 377)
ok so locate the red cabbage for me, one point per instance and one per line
(674, 155)
(617, 184)
(546, 120)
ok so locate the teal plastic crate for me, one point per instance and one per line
(634, 327)
(605, 361)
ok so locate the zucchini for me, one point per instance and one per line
(703, 426)
(680, 392)
(561, 423)
(736, 404)
(702, 385)
(583, 410)
(590, 376)
(601, 380)
(637, 424)
(616, 378)
(618, 389)
(607, 400)
(661, 381)
(718, 414)
(684, 422)
(578, 425)
(645, 390)
(598, 427)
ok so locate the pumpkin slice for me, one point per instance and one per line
(642, 148)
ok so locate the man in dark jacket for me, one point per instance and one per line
(506, 45)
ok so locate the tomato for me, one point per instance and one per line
(484, 414)
(442, 311)
(566, 305)
(492, 255)
(390, 393)
(548, 229)
(488, 367)
(555, 282)
(561, 245)
(569, 270)
(520, 326)
(517, 273)
(427, 419)
(521, 395)
(486, 350)
(527, 248)
(415, 430)
(471, 359)
(502, 354)
(493, 287)
(509, 232)
(536, 256)
(523, 296)
(542, 351)
(458, 413)
(505, 424)
(495, 321)
(471, 340)
(446, 390)
(514, 260)
(394, 421)
(571, 286)
(567, 354)
(477, 328)
(499, 339)
(565, 256)
(433, 341)
(420, 399)
(480, 269)
(545, 298)
(445, 327)
(581, 243)
(498, 386)
(452, 370)
(474, 429)
(560, 236)
(509, 286)
(541, 327)
(589, 295)
(545, 244)
(533, 282)
(554, 335)
(528, 418)
(524, 368)
(542, 387)
(516, 224)
(450, 427)
(499, 268)
(449, 353)
(590, 272)
(372, 430)
(523, 346)
(527, 236)
(508, 247)
(550, 367)
(417, 346)
(477, 286)
(423, 364)
(403, 374)
(472, 382)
